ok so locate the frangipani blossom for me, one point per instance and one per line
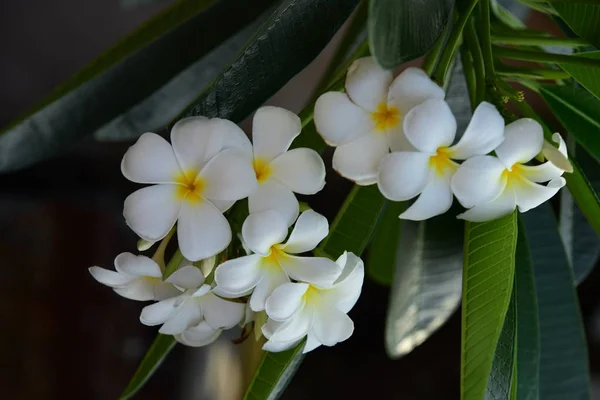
(274, 262)
(491, 187)
(366, 122)
(136, 278)
(297, 310)
(205, 171)
(281, 173)
(431, 129)
(184, 314)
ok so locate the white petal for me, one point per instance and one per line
(139, 289)
(276, 347)
(558, 157)
(152, 211)
(262, 230)
(317, 270)
(294, 328)
(311, 227)
(272, 278)
(150, 160)
(523, 140)
(411, 88)
(132, 265)
(346, 290)
(221, 313)
(186, 315)
(239, 275)
(397, 139)
(231, 136)
(332, 326)
(229, 176)
(541, 173)
(367, 83)
(530, 195)
(273, 130)
(499, 207)
(478, 180)
(158, 313)
(338, 120)
(311, 343)
(484, 133)
(164, 290)
(272, 195)
(109, 278)
(202, 231)
(301, 170)
(199, 335)
(188, 277)
(403, 175)
(360, 159)
(285, 301)
(430, 125)
(435, 199)
(223, 205)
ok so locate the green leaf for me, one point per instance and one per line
(488, 275)
(161, 346)
(401, 31)
(505, 16)
(578, 111)
(123, 76)
(428, 281)
(584, 19)
(588, 77)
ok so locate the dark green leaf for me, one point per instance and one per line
(588, 77)
(584, 19)
(401, 31)
(564, 372)
(161, 346)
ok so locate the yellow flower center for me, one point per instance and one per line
(190, 186)
(513, 175)
(262, 169)
(273, 260)
(385, 117)
(312, 295)
(441, 162)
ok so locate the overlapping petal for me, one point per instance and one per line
(220, 313)
(359, 160)
(202, 231)
(311, 227)
(262, 230)
(229, 176)
(273, 130)
(273, 195)
(198, 335)
(403, 175)
(338, 120)
(411, 88)
(502, 205)
(367, 83)
(430, 125)
(435, 199)
(150, 160)
(301, 170)
(530, 195)
(316, 270)
(152, 211)
(239, 275)
(187, 277)
(478, 180)
(110, 278)
(271, 279)
(286, 300)
(332, 326)
(131, 265)
(523, 140)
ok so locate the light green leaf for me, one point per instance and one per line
(505, 16)
(584, 19)
(161, 346)
(488, 275)
(588, 77)
(401, 31)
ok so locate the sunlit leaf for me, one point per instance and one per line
(588, 77)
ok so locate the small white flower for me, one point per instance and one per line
(431, 129)
(274, 262)
(206, 170)
(492, 187)
(184, 314)
(136, 278)
(296, 310)
(366, 122)
(281, 173)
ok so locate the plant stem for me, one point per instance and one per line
(539, 56)
(173, 264)
(159, 254)
(531, 40)
(469, 71)
(485, 35)
(478, 62)
(532, 73)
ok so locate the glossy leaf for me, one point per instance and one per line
(124, 76)
(401, 31)
(564, 372)
(488, 275)
(161, 346)
(588, 77)
(583, 19)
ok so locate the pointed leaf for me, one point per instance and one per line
(588, 77)
(584, 19)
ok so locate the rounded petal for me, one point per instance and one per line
(559, 157)
(276, 347)
(301, 170)
(139, 289)
(150, 160)
(478, 181)
(164, 290)
(360, 159)
(523, 140)
(262, 230)
(109, 278)
(367, 83)
(202, 231)
(273, 195)
(346, 290)
(332, 326)
(397, 140)
(311, 343)
(273, 130)
(541, 173)
(272, 278)
(220, 313)
(497, 208)
(411, 88)
(403, 175)
(188, 277)
(484, 133)
(239, 275)
(294, 328)
(199, 335)
(311, 227)
(319, 271)
(530, 195)
(435, 199)
(158, 313)
(430, 125)
(187, 314)
(132, 265)
(229, 176)
(285, 301)
(338, 120)
(152, 211)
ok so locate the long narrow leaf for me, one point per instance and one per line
(584, 19)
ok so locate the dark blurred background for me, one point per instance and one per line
(65, 336)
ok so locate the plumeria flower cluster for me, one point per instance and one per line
(209, 165)
(401, 134)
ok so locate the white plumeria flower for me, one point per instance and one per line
(431, 129)
(491, 187)
(136, 278)
(281, 173)
(184, 314)
(366, 122)
(206, 170)
(274, 262)
(297, 310)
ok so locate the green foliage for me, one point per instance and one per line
(401, 31)
(588, 77)
(584, 19)
(501, 381)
